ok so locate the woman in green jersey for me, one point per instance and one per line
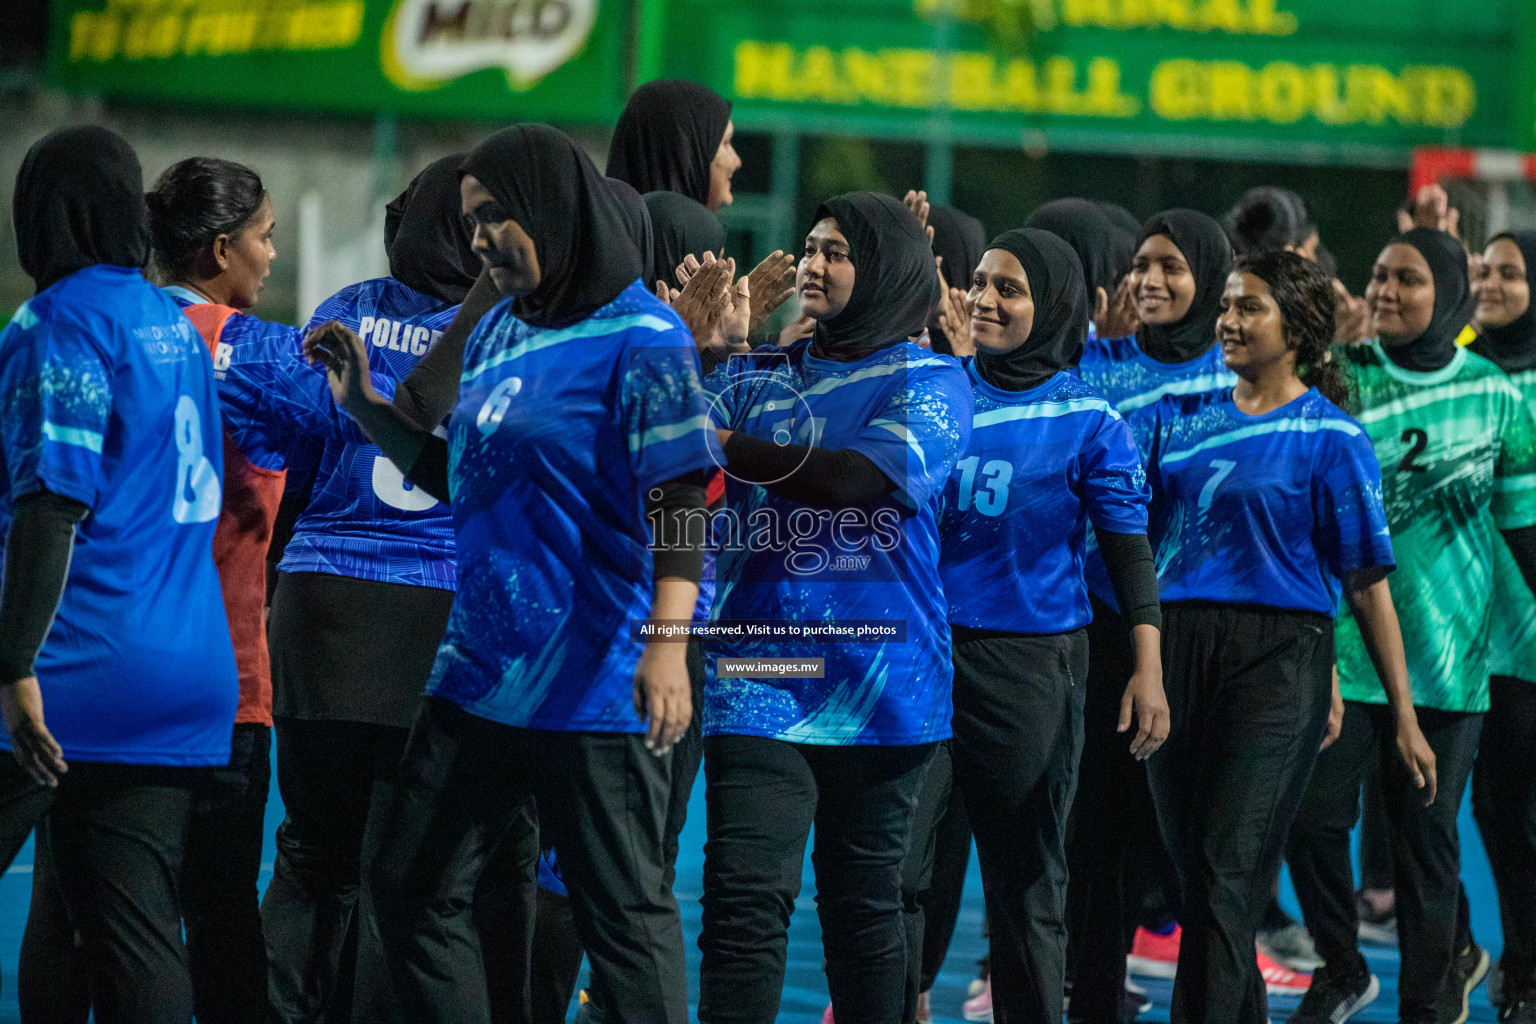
(1457, 448)
(1504, 782)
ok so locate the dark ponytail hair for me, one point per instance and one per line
(1267, 218)
(194, 202)
(1307, 304)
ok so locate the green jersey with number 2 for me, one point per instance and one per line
(1457, 449)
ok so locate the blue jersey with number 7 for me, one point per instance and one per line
(364, 519)
(1267, 510)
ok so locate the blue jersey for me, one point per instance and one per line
(557, 437)
(364, 519)
(1266, 510)
(1130, 379)
(272, 399)
(909, 412)
(1041, 464)
(107, 397)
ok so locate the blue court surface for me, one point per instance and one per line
(805, 989)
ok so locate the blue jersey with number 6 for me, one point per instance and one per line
(557, 440)
(364, 519)
(1266, 510)
(1041, 465)
(107, 397)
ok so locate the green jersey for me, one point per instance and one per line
(1514, 608)
(1457, 449)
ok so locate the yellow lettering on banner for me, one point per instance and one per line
(1104, 96)
(970, 81)
(157, 29)
(1018, 90)
(763, 70)
(1235, 17)
(1284, 93)
(1176, 90)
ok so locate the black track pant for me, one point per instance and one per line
(1504, 801)
(763, 797)
(1425, 846)
(112, 838)
(1018, 734)
(602, 802)
(1249, 691)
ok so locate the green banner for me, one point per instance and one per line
(549, 59)
(1357, 81)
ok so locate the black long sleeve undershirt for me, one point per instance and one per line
(1128, 557)
(810, 476)
(37, 553)
(1522, 544)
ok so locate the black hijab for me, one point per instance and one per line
(547, 184)
(1209, 255)
(1447, 260)
(79, 202)
(1061, 312)
(1120, 217)
(1103, 248)
(683, 227)
(895, 286)
(1513, 346)
(667, 136)
(960, 239)
(637, 220)
(424, 234)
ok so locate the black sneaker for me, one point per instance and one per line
(1333, 1000)
(1468, 972)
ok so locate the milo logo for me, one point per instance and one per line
(428, 43)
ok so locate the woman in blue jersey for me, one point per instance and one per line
(1177, 273)
(543, 687)
(213, 224)
(1503, 783)
(1268, 508)
(836, 449)
(117, 676)
(1047, 454)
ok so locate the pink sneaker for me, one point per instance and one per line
(1153, 955)
(979, 1008)
(1282, 981)
(826, 1016)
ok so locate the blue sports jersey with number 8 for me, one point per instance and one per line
(107, 397)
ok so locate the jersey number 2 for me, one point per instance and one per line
(1419, 441)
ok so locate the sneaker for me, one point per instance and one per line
(1376, 926)
(1468, 972)
(1153, 955)
(1334, 1000)
(1518, 1012)
(826, 1015)
(979, 1007)
(924, 1009)
(1291, 947)
(1282, 981)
